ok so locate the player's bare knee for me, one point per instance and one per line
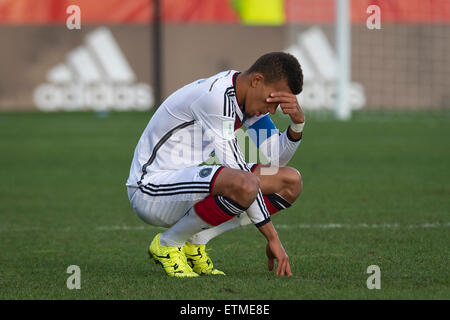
(248, 185)
(293, 183)
(252, 185)
(245, 188)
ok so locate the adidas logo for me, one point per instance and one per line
(319, 65)
(95, 76)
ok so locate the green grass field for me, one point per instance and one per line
(376, 192)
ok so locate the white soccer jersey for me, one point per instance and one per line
(196, 120)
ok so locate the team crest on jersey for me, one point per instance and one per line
(228, 129)
(205, 172)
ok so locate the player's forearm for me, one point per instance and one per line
(288, 146)
(268, 231)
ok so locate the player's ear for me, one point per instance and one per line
(257, 79)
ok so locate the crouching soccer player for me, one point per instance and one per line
(168, 187)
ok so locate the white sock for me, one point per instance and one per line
(183, 229)
(204, 236)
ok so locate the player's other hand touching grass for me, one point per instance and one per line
(283, 266)
(275, 251)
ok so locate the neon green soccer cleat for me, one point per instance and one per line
(199, 260)
(172, 259)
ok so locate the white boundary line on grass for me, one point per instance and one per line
(363, 226)
(433, 225)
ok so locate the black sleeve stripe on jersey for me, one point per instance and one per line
(262, 204)
(241, 156)
(227, 102)
(235, 154)
(235, 157)
(159, 144)
(233, 107)
(230, 101)
(260, 224)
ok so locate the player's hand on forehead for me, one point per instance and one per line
(281, 96)
(288, 103)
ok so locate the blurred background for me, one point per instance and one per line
(130, 55)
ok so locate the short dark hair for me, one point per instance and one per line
(278, 65)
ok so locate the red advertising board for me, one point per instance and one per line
(215, 11)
